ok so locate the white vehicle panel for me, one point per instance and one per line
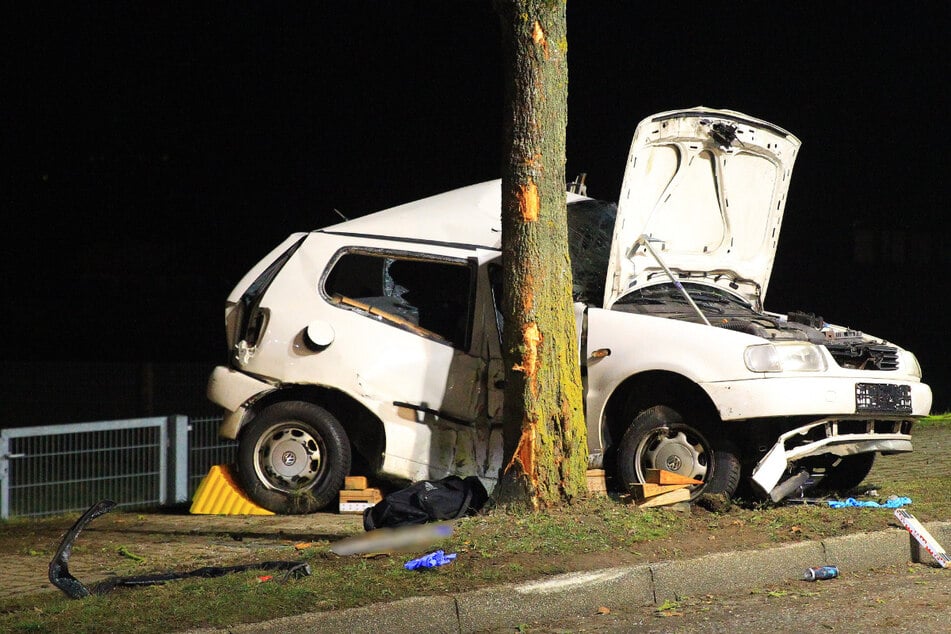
(709, 188)
(802, 396)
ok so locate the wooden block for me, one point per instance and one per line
(643, 491)
(365, 495)
(662, 476)
(355, 483)
(671, 497)
(358, 501)
(597, 485)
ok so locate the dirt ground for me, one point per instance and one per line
(127, 543)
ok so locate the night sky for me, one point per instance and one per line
(153, 153)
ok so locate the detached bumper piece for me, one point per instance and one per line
(838, 437)
(73, 588)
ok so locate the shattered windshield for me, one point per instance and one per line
(590, 229)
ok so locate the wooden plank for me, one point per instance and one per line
(662, 476)
(671, 497)
(366, 495)
(650, 489)
(597, 484)
(355, 483)
(358, 501)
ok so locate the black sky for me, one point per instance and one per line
(153, 152)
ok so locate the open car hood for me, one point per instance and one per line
(706, 189)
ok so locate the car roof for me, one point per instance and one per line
(467, 216)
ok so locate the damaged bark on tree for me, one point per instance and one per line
(544, 420)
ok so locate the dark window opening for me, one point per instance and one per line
(430, 298)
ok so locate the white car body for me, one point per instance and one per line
(701, 207)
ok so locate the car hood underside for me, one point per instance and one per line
(703, 193)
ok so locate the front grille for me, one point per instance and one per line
(864, 357)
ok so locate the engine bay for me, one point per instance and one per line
(850, 348)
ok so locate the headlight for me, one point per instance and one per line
(784, 357)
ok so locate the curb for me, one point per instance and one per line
(582, 593)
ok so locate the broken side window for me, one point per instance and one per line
(431, 298)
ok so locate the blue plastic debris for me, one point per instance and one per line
(438, 558)
(890, 503)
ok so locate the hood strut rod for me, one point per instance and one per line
(645, 240)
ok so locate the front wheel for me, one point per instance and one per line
(840, 474)
(660, 438)
(293, 458)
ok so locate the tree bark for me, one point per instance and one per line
(544, 420)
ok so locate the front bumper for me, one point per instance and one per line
(852, 415)
(828, 440)
(819, 396)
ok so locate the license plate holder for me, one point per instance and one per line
(883, 397)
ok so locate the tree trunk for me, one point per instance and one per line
(544, 420)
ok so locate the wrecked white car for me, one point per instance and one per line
(373, 345)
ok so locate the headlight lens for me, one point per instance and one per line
(784, 357)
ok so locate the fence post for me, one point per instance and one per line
(4, 476)
(178, 459)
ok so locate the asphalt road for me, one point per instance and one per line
(908, 598)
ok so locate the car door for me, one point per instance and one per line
(417, 338)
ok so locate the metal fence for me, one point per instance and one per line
(206, 449)
(138, 463)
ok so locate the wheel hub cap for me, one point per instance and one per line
(673, 451)
(290, 456)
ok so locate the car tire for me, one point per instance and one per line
(293, 458)
(840, 474)
(660, 438)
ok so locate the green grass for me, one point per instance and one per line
(496, 547)
(936, 420)
(492, 548)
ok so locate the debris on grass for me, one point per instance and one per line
(60, 576)
(431, 560)
(893, 502)
(128, 554)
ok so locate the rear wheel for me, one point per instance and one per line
(293, 458)
(660, 438)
